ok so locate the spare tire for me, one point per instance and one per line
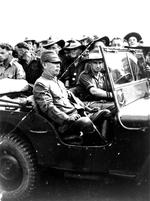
(18, 169)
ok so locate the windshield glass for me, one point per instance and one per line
(126, 71)
(124, 67)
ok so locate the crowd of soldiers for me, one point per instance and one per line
(23, 61)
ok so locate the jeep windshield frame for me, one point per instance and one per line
(124, 75)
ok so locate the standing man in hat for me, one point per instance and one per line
(57, 46)
(133, 39)
(71, 66)
(55, 101)
(32, 44)
(54, 45)
(31, 64)
(85, 40)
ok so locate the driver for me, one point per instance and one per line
(92, 84)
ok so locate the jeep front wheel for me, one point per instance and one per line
(18, 170)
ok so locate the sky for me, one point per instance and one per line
(66, 19)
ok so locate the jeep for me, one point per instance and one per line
(28, 139)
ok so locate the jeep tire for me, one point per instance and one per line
(18, 170)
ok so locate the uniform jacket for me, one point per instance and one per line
(54, 99)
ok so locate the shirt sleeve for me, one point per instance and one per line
(86, 81)
(20, 73)
(44, 100)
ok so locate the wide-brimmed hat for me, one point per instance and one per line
(50, 56)
(30, 40)
(104, 39)
(23, 45)
(84, 37)
(134, 34)
(42, 42)
(105, 42)
(51, 42)
(74, 44)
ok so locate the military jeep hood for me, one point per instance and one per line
(136, 114)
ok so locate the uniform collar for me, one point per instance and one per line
(49, 77)
(9, 62)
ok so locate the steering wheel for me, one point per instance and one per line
(123, 79)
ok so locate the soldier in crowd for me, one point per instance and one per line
(117, 42)
(135, 42)
(85, 40)
(134, 39)
(104, 41)
(55, 45)
(31, 64)
(40, 47)
(32, 44)
(9, 68)
(12, 74)
(71, 66)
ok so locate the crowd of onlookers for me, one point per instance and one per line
(23, 60)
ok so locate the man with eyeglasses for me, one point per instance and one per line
(55, 101)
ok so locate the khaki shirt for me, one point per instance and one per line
(13, 71)
(86, 81)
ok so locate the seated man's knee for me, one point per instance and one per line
(85, 124)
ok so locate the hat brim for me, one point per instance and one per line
(134, 34)
(61, 43)
(23, 45)
(43, 42)
(82, 39)
(47, 45)
(82, 47)
(105, 39)
(33, 41)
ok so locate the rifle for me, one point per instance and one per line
(67, 69)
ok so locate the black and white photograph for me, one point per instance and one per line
(74, 100)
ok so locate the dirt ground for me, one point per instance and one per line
(56, 187)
